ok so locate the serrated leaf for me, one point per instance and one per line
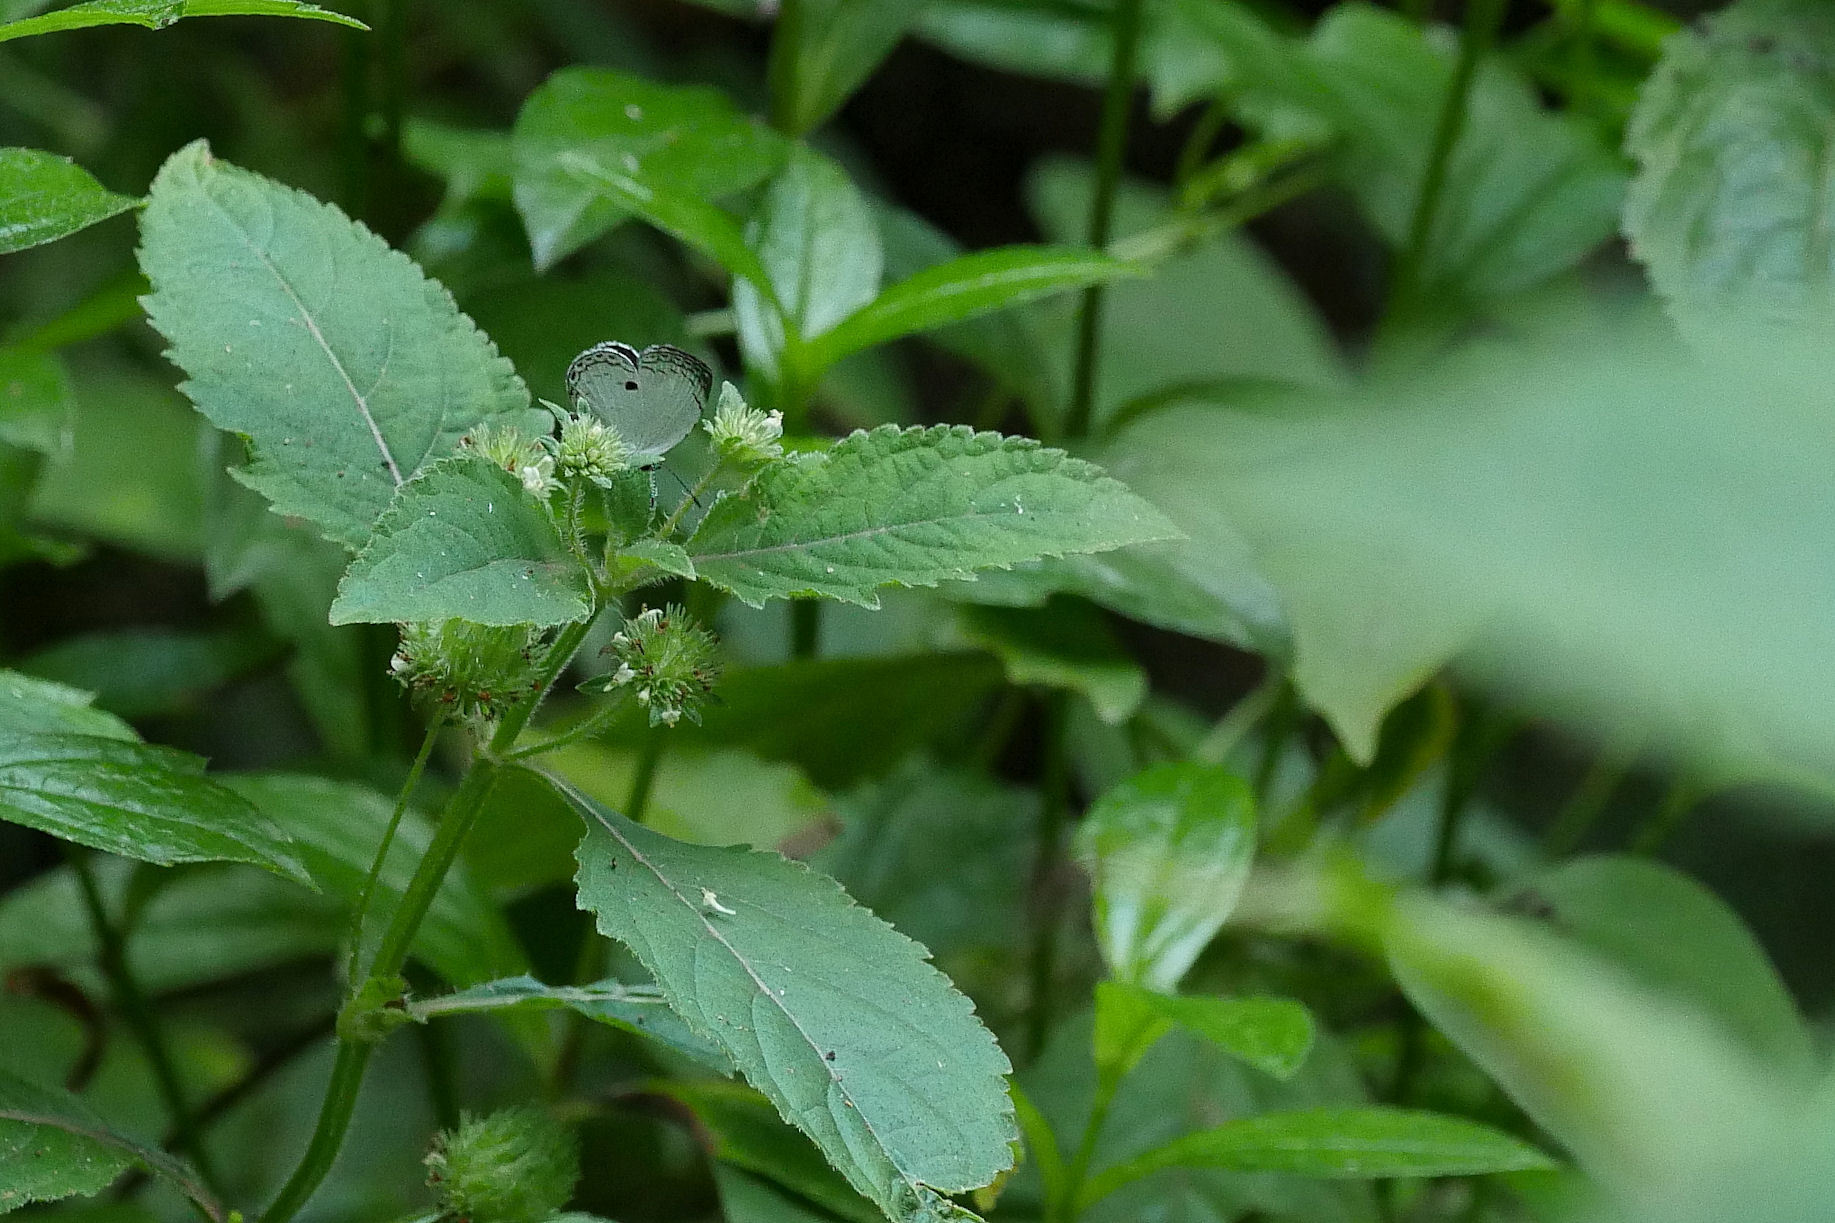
(158, 14)
(1271, 1034)
(464, 541)
(1169, 851)
(819, 244)
(688, 143)
(963, 288)
(53, 1145)
(911, 507)
(1351, 1143)
(44, 197)
(149, 803)
(348, 370)
(831, 1013)
(1730, 209)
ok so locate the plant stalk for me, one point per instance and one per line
(1067, 1208)
(402, 799)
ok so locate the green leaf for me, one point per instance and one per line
(44, 197)
(963, 288)
(1169, 851)
(1068, 645)
(157, 671)
(1272, 1034)
(348, 370)
(747, 1199)
(464, 541)
(149, 803)
(689, 146)
(638, 1009)
(819, 243)
(827, 1010)
(158, 14)
(824, 49)
(911, 507)
(36, 405)
(748, 1134)
(53, 1145)
(1355, 1143)
(29, 705)
(1730, 211)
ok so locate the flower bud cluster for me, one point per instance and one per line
(525, 458)
(473, 671)
(668, 660)
(589, 449)
(517, 1165)
(743, 434)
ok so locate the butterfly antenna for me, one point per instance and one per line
(688, 490)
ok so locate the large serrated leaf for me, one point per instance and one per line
(348, 370)
(834, 1015)
(912, 507)
(150, 803)
(43, 197)
(464, 541)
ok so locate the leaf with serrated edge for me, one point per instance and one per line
(911, 507)
(43, 197)
(464, 541)
(834, 1015)
(348, 370)
(149, 803)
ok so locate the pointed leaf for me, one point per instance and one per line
(1271, 1034)
(1351, 1143)
(1169, 851)
(44, 197)
(911, 507)
(689, 143)
(158, 14)
(28, 704)
(348, 370)
(464, 541)
(824, 49)
(149, 803)
(964, 288)
(831, 1013)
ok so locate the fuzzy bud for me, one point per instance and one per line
(743, 434)
(666, 660)
(474, 671)
(517, 1165)
(525, 458)
(590, 449)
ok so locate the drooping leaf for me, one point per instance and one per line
(158, 14)
(464, 541)
(687, 144)
(824, 1008)
(824, 49)
(145, 802)
(818, 242)
(44, 197)
(911, 507)
(1271, 1034)
(348, 370)
(1169, 851)
(53, 1145)
(1355, 1143)
(1730, 210)
(963, 288)
(639, 1009)
(1068, 645)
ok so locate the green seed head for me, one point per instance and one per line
(518, 1165)
(744, 434)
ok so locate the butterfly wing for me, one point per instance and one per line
(652, 398)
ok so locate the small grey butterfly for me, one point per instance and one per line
(653, 398)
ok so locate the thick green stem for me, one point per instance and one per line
(402, 799)
(1483, 19)
(392, 955)
(137, 1011)
(1067, 1208)
(1111, 145)
(784, 71)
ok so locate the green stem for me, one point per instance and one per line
(1244, 716)
(1198, 144)
(455, 824)
(783, 72)
(643, 782)
(1067, 1208)
(1483, 19)
(1111, 145)
(137, 1011)
(700, 486)
(1054, 802)
(805, 628)
(1684, 794)
(1589, 800)
(402, 798)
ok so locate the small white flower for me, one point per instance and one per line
(538, 477)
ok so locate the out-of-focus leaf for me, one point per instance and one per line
(1730, 209)
(1067, 42)
(826, 1009)
(35, 706)
(158, 14)
(464, 541)
(139, 674)
(911, 507)
(44, 197)
(749, 1134)
(348, 370)
(747, 1199)
(476, 163)
(687, 143)
(721, 797)
(1066, 645)
(824, 49)
(1169, 851)
(1272, 1034)
(36, 404)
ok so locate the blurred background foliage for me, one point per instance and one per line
(1499, 432)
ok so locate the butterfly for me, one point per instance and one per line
(654, 398)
